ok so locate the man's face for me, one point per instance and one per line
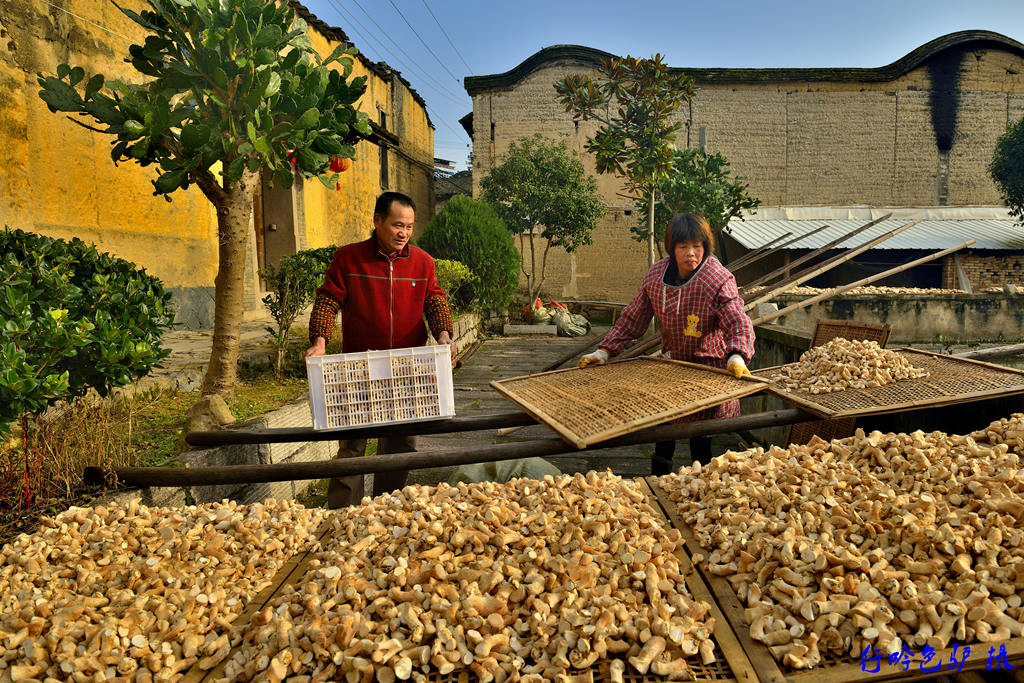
(394, 230)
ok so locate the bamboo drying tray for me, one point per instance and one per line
(825, 330)
(951, 380)
(730, 666)
(593, 404)
(832, 669)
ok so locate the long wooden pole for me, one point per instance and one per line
(231, 437)
(775, 249)
(828, 265)
(807, 257)
(297, 471)
(872, 278)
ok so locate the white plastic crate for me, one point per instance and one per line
(380, 387)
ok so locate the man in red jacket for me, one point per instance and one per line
(385, 286)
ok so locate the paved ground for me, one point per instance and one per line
(503, 357)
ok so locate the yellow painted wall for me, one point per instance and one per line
(56, 178)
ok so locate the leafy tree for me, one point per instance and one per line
(541, 187)
(1007, 168)
(233, 88)
(292, 286)
(637, 140)
(469, 231)
(699, 183)
(456, 279)
(74, 319)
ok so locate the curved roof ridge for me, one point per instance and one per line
(594, 56)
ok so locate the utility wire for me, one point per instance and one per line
(417, 34)
(440, 89)
(468, 67)
(88, 22)
(399, 47)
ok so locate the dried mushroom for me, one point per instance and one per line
(880, 541)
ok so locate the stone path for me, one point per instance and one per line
(503, 357)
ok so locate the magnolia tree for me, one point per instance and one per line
(540, 189)
(1007, 168)
(699, 183)
(230, 89)
(634, 101)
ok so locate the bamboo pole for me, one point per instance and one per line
(994, 352)
(297, 471)
(829, 265)
(756, 253)
(872, 278)
(231, 437)
(775, 249)
(806, 257)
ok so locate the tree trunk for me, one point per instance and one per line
(233, 213)
(650, 231)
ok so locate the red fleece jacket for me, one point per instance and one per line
(381, 297)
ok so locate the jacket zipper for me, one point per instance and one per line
(391, 303)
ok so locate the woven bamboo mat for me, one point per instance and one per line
(951, 380)
(593, 404)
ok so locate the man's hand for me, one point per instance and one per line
(599, 357)
(737, 366)
(445, 338)
(317, 349)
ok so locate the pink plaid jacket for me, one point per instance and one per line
(701, 321)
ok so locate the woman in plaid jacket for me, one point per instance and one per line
(700, 315)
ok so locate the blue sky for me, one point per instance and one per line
(492, 37)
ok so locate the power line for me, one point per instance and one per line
(416, 33)
(399, 47)
(468, 67)
(440, 89)
(87, 21)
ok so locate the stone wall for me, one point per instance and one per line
(947, 319)
(811, 137)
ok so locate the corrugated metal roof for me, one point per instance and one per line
(928, 234)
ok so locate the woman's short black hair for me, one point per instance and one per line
(686, 227)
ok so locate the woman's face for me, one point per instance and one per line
(688, 255)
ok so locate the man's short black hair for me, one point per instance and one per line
(384, 202)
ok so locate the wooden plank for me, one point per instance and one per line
(843, 672)
(724, 597)
(291, 572)
(742, 668)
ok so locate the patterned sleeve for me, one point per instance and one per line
(438, 314)
(323, 318)
(737, 327)
(631, 324)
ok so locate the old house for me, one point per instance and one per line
(919, 132)
(56, 178)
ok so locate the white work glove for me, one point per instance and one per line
(599, 357)
(737, 366)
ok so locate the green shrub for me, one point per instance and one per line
(292, 285)
(456, 280)
(73, 319)
(469, 231)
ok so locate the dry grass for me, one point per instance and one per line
(41, 467)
